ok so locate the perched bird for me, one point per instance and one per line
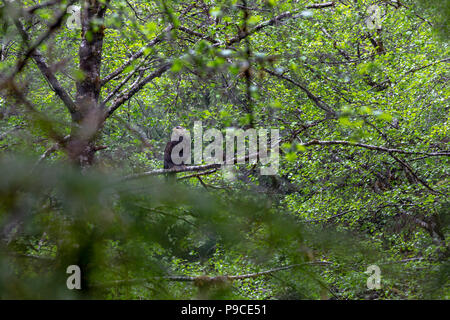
(177, 132)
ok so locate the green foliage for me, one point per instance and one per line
(119, 231)
(345, 204)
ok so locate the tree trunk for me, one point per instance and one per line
(87, 120)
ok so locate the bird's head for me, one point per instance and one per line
(178, 132)
(178, 129)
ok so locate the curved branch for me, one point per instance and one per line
(136, 88)
(317, 101)
(47, 72)
(196, 175)
(173, 170)
(274, 21)
(136, 55)
(408, 167)
(372, 147)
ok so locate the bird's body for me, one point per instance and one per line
(168, 161)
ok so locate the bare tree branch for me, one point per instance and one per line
(372, 147)
(408, 167)
(55, 25)
(50, 150)
(31, 10)
(197, 34)
(320, 5)
(121, 84)
(175, 170)
(196, 175)
(47, 72)
(317, 101)
(136, 55)
(141, 136)
(136, 88)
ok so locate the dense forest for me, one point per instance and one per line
(224, 149)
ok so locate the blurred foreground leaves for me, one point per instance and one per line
(55, 216)
(149, 239)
